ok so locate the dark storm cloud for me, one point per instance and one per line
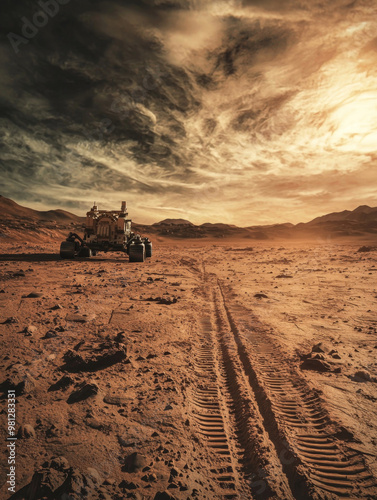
(188, 103)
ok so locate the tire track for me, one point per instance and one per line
(228, 418)
(210, 413)
(312, 452)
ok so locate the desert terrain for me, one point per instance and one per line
(222, 367)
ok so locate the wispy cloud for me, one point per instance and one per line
(244, 112)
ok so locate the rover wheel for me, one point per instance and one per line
(67, 249)
(136, 252)
(85, 252)
(148, 249)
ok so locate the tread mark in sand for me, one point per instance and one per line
(293, 413)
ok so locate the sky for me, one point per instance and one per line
(238, 111)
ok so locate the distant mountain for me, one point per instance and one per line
(360, 214)
(9, 209)
(173, 222)
(16, 221)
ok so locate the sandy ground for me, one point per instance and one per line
(210, 371)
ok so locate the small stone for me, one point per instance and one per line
(50, 334)
(62, 383)
(163, 495)
(94, 475)
(26, 431)
(168, 407)
(134, 462)
(362, 376)
(33, 295)
(128, 485)
(10, 321)
(59, 463)
(83, 392)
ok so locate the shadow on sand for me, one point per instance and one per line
(54, 257)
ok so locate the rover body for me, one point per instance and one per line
(107, 231)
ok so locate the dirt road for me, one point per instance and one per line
(210, 371)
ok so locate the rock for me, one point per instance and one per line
(149, 478)
(115, 400)
(93, 475)
(128, 485)
(319, 356)
(33, 295)
(321, 347)
(284, 276)
(50, 334)
(260, 296)
(21, 384)
(78, 318)
(120, 337)
(59, 463)
(44, 484)
(26, 431)
(174, 472)
(316, 365)
(94, 423)
(362, 376)
(29, 330)
(10, 321)
(94, 358)
(134, 462)
(73, 485)
(367, 249)
(62, 383)
(84, 391)
(163, 495)
(57, 307)
(151, 356)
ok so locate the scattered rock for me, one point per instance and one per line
(163, 495)
(50, 334)
(59, 463)
(33, 295)
(84, 391)
(21, 384)
(10, 321)
(78, 318)
(61, 384)
(367, 249)
(29, 330)
(316, 365)
(128, 485)
(92, 359)
(115, 400)
(134, 462)
(94, 423)
(93, 475)
(26, 431)
(321, 347)
(162, 300)
(362, 376)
